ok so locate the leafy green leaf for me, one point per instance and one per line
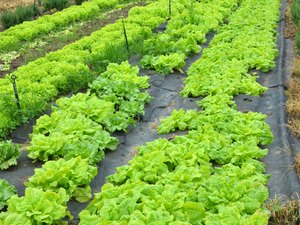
(73, 175)
(61, 135)
(7, 190)
(36, 207)
(9, 153)
(164, 64)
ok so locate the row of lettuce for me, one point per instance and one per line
(15, 36)
(72, 141)
(177, 181)
(167, 51)
(213, 174)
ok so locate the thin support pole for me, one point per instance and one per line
(34, 9)
(14, 77)
(125, 35)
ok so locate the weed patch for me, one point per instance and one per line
(9, 19)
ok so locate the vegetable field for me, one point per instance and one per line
(172, 114)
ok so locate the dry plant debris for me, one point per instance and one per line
(293, 92)
(12, 4)
(297, 163)
(284, 210)
(293, 105)
(291, 29)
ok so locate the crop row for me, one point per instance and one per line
(213, 174)
(166, 52)
(75, 135)
(13, 37)
(80, 125)
(71, 68)
(178, 182)
(247, 42)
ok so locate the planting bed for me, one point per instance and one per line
(204, 166)
(32, 49)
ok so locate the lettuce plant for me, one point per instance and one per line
(9, 153)
(7, 190)
(73, 175)
(63, 136)
(36, 207)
